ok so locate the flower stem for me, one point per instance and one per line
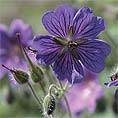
(111, 39)
(42, 87)
(51, 116)
(66, 101)
(23, 51)
(34, 94)
(30, 63)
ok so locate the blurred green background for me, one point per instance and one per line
(31, 12)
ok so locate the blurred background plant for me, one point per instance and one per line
(18, 102)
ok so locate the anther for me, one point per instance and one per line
(72, 44)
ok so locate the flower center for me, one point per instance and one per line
(72, 44)
(114, 77)
(16, 50)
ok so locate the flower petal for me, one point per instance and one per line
(5, 44)
(90, 91)
(86, 25)
(92, 54)
(17, 65)
(67, 67)
(47, 49)
(4, 37)
(18, 26)
(58, 22)
(112, 83)
(77, 73)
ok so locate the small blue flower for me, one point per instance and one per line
(73, 43)
(114, 82)
(111, 84)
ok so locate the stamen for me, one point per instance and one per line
(72, 44)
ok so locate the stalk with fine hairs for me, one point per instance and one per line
(66, 101)
(34, 94)
(31, 66)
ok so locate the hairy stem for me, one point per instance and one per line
(42, 87)
(66, 101)
(34, 94)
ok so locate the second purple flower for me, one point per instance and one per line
(73, 44)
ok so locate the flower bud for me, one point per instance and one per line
(57, 91)
(36, 74)
(49, 104)
(20, 76)
(35, 71)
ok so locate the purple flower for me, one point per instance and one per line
(84, 95)
(73, 44)
(114, 82)
(10, 54)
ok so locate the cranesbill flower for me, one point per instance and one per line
(88, 92)
(113, 83)
(73, 42)
(10, 54)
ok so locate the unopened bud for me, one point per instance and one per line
(35, 71)
(49, 104)
(36, 74)
(20, 76)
